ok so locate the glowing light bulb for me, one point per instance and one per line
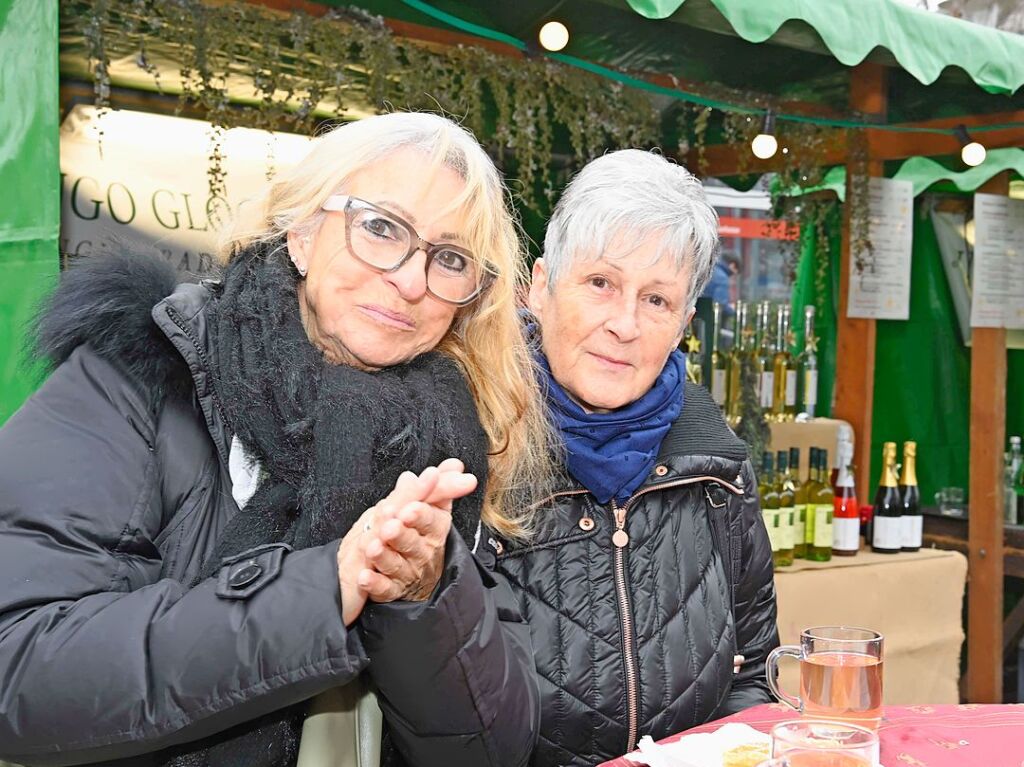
(554, 36)
(973, 154)
(764, 146)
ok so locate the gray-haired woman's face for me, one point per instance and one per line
(609, 324)
(361, 316)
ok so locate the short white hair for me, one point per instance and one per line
(634, 194)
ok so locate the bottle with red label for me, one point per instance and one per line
(846, 515)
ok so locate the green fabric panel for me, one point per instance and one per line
(30, 172)
(27, 279)
(1014, 391)
(805, 292)
(923, 376)
(923, 43)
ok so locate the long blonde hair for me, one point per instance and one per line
(486, 337)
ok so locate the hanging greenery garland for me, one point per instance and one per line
(301, 70)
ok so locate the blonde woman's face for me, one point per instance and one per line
(369, 319)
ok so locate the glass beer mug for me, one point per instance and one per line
(840, 674)
(811, 743)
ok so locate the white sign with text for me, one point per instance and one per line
(132, 178)
(882, 290)
(997, 279)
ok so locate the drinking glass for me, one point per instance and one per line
(840, 674)
(819, 743)
(950, 501)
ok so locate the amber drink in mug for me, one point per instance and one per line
(840, 674)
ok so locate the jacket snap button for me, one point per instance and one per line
(245, 575)
(586, 524)
(661, 471)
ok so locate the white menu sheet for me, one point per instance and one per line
(997, 277)
(882, 290)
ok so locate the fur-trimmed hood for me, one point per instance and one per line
(107, 302)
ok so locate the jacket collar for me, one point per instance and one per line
(182, 317)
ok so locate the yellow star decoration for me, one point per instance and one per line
(812, 343)
(692, 344)
(790, 339)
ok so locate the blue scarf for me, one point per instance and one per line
(611, 454)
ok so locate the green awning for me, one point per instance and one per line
(783, 49)
(924, 172)
(922, 43)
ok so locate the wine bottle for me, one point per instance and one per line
(822, 500)
(784, 372)
(808, 365)
(1014, 461)
(910, 499)
(763, 357)
(846, 519)
(787, 507)
(719, 360)
(800, 504)
(887, 535)
(769, 503)
(737, 356)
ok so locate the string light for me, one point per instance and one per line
(765, 145)
(971, 152)
(554, 36)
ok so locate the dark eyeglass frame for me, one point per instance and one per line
(349, 205)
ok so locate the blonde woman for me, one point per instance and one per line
(230, 497)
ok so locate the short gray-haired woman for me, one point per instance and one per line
(186, 550)
(650, 568)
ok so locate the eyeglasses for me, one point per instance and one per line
(384, 241)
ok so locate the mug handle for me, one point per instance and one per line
(771, 670)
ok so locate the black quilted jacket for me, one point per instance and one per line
(111, 498)
(638, 638)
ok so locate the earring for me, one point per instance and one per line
(300, 269)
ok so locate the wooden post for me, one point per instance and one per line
(855, 338)
(985, 521)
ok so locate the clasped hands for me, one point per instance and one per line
(396, 549)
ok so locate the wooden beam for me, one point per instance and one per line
(855, 338)
(985, 521)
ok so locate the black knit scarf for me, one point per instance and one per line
(331, 441)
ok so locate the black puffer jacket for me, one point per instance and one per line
(114, 486)
(638, 639)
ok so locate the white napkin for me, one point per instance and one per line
(702, 749)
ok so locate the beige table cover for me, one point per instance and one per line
(914, 599)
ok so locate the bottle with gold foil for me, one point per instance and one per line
(734, 364)
(800, 505)
(808, 366)
(820, 509)
(769, 503)
(719, 360)
(784, 370)
(910, 499)
(887, 522)
(763, 357)
(787, 508)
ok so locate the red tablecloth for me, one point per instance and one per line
(967, 735)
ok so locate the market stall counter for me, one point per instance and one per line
(915, 599)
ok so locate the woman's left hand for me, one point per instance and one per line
(405, 546)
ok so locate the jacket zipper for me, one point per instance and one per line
(620, 540)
